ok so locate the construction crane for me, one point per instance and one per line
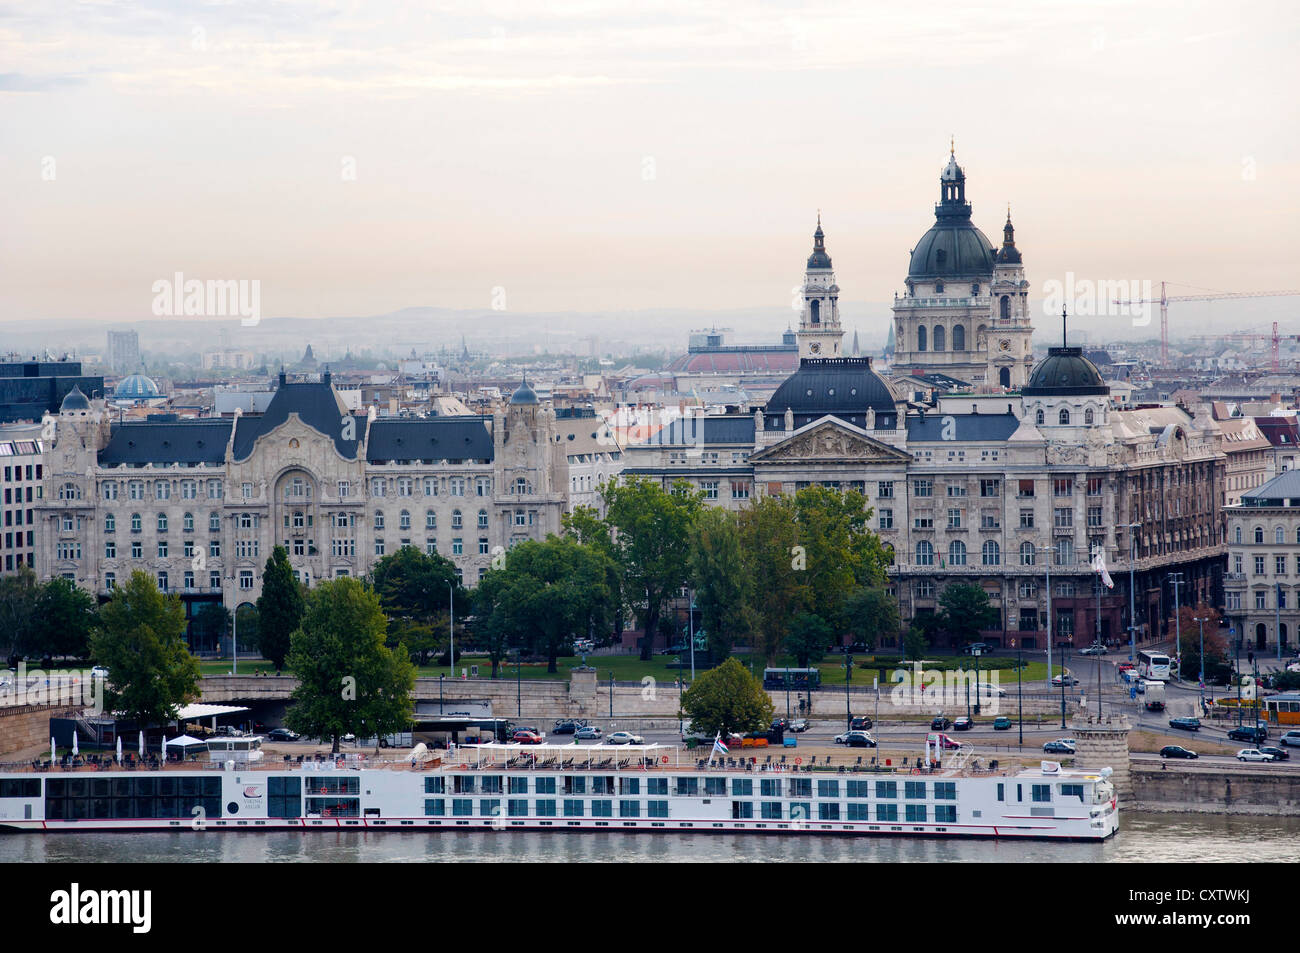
(1165, 298)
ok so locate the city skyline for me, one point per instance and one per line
(584, 160)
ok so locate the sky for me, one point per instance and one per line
(579, 155)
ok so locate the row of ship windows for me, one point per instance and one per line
(740, 810)
(691, 786)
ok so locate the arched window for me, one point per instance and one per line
(482, 519)
(815, 308)
(70, 491)
(975, 289)
(992, 554)
(959, 337)
(430, 519)
(456, 521)
(920, 338)
(188, 522)
(924, 553)
(1005, 306)
(956, 553)
(1259, 534)
(162, 522)
(404, 519)
(938, 285)
(1027, 554)
(379, 520)
(1040, 418)
(1279, 535)
(938, 337)
(1088, 417)
(1237, 535)
(1064, 416)
(1004, 377)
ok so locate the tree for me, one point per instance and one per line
(247, 625)
(1219, 652)
(211, 623)
(585, 525)
(769, 541)
(416, 590)
(965, 610)
(64, 619)
(871, 614)
(808, 639)
(652, 543)
(279, 608)
(915, 643)
(841, 553)
(348, 680)
(546, 592)
(722, 584)
(726, 699)
(140, 639)
(18, 595)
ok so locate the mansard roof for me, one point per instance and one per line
(167, 442)
(963, 428)
(430, 438)
(316, 404)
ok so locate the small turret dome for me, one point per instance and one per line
(74, 402)
(523, 394)
(135, 387)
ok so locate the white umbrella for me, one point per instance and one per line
(75, 752)
(54, 748)
(119, 749)
(142, 744)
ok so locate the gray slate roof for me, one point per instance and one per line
(430, 438)
(965, 427)
(179, 441)
(1276, 492)
(707, 430)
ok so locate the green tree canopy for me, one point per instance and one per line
(65, 616)
(871, 614)
(769, 539)
(808, 638)
(721, 579)
(348, 680)
(965, 610)
(416, 590)
(140, 639)
(915, 643)
(652, 543)
(279, 608)
(18, 597)
(585, 525)
(726, 699)
(547, 593)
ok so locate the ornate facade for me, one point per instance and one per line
(200, 504)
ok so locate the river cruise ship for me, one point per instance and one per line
(508, 787)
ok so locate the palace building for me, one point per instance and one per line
(200, 504)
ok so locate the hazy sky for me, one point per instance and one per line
(357, 158)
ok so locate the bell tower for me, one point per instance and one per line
(820, 334)
(1010, 352)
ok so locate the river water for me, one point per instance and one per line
(1190, 838)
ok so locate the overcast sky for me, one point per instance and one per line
(357, 158)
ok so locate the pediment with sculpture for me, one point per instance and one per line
(829, 441)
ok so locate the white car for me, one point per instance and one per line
(989, 690)
(99, 672)
(1291, 738)
(855, 739)
(624, 738)
(1253, 754)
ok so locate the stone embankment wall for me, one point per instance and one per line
(1215, 789)
(25, 727)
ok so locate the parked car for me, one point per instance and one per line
(587, 733)
(1093, 650)
(981, 647)
(940, 723)
(624, 738)
(989, 690)
(1291, 738)
(799, 726)
(963, 724)
(1001, 723)
(1185, 724)
(1279, 754)
(282, 734)
(1177, 751)
(1060, 746)
(526, 738)
(1253, 754)
(861, 723)
(230, 731)
(948, 744)
(855, 739)
(1247, 733)
(566, 727)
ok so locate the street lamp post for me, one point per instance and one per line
(1132, 591)
(976, 653)
(611, 697)
(678, 662)
(440, 678)
(519, 697)
(848, 707)
(1064, 676)
(1176, 578)
(1201, 624)
(451, 629)
(1020, 694)
(691, 623)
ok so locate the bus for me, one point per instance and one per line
(797, 679)
(1153, 665)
